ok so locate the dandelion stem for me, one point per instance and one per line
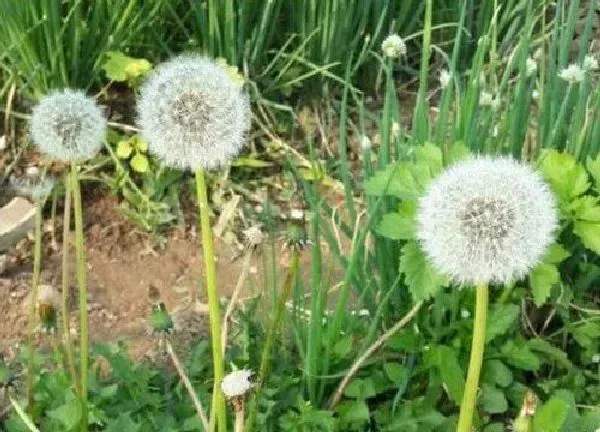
(467, 407)
(239, 416)
(218, 410)
(83, 295)
(273, 327)
(65, 285)
(35, 280)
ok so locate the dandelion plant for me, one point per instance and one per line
(485, 221)
(69, 126)
(195, 116)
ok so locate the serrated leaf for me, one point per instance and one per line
(587, 334)
(520, 356)
(353, 412)
(586, 208)
(422, 279)
(493, 400)
(497, 373)
(122, 423)
(551, 416)
(69, 414)
(360, 388)
(124, 149)
(396, 372)
(119, 67)
(541, 279)
(430, 155)
(567, 178)
(457, 152)
(403, 180)
(556, 254)
(399, 225)
(500, 319)
(139, 163)
(589, 233)
(553, 353)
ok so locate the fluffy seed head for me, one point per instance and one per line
(254, 236)
(530, 66)
(444, 78)
(393, 46)
(193, 114)
(590, 63)
(485, 99)
(365, 143)
(237, 383)
(487, 220)
(572, 74)
(36, 188)
(68, 126)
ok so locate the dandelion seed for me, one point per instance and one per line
(535, 95)
(530, 67)
(237, 383)
(193, 114)
(35, 188)
(572, 74)
(68, 126)
(487, 220)
(254, 236)
(590, 63)
(444, 78)
(485, 99)
(393, 46)
(365, 143)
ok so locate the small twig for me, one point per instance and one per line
(374, 347)
(124, 127)
(188, 386)
(234, 299)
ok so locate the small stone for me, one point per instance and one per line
(16, 220)
(3, 263)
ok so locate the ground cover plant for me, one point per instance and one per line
(415, 185)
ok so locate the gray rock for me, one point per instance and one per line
(16, 219)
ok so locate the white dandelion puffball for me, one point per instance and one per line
(572, 74)
(445, 78)
(68, 126)
(193, 114)
(486, 220)
(37, 188)
(393, 46)
(236, 383)
(590, 63)
(530, 66)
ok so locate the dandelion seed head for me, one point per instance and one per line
(365, 143)
(395, 131)
(535, 95)
(68, 126)
(530, 66)
(487, 220)
(445, 78)
(254, 236)
(35, 188)
(193, 114)
(237, 383)
(393, 46)
(590, 63)
(485, 99)
(572, 74)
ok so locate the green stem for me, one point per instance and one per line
(66, 328)
(83, 296)
(218, 409)
(273, 328)
(35, 281)
(467, 407)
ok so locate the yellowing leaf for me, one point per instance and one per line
(139, 163)
(124, 149)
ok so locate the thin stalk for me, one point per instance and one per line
(35, 281)
(467, 407)
(66, 328)
(273, 329)
(83, 296)
(239, 417)
(218, 413)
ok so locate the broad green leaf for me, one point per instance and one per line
(457, 152)
(430, 155)
(590, 420)
(360, 388)
(119, 67)
(399, 225)
(520, 356)
(396, 372)
(404, 180)
(586, 208)
(553, 353)
(497, 373)
(556, 254)
(589, 233)
(69, 414)
(542, 278)
(139, 163)
(446, 360)
(343, 347)
(551, 416)
(123, 423)
(500, 320)
(587, 334)
(494, 427)
(566, 177)
(124, 149)
(422, 279)
(593, 166)
(353, 412)
(492, 400)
